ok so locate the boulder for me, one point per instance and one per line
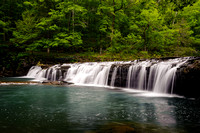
(116, 128)
(52, 82)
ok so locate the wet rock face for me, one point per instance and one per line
(60, 73)
(121, 75)
(188, 79)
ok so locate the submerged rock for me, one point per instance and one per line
(116, 127)
(46, 82)
(52, 82)
(133, 127)
(68, 83)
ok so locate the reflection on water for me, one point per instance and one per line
(39, 108)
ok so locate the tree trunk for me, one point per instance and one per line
(145, 37)
(100, 52)
(174, 18)
(113, 24)
(73, 15)
(145, 47)
(73, 20)
(4, 27)
(4, 36)
(48, 50)
(100, 49)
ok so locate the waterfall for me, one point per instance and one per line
(34, 70)
(162, 75)
(154, 75)
(113, 76)
(89, 73)
(151, 75)
(137, 75)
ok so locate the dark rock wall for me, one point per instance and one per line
(188, 79)
(121, 76)
(60, 73)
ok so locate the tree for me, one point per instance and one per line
(69, 18)
(25, 32)
(192, 15)
(45, 26)
(113, 19)
(145, 25)
(154, 27)
(10, 11)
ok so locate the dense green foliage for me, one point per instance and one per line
(139, 28)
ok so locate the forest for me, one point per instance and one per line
(114, 29)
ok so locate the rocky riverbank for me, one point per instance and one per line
(34, 83)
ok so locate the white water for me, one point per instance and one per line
(162, 75)
(89, 73)
(137, 75)
(152, 75)
(33, 72)
(113, 77)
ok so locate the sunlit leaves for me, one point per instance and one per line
(151, 26)
(28, 3)
(2, 24)
(67, 40)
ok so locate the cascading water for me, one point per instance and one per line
(137, 75)
(89, 73)
(151, 75)
(113, 76)
(33, 72)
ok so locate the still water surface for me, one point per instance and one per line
(42, 108)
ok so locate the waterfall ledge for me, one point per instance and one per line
(170, 76)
